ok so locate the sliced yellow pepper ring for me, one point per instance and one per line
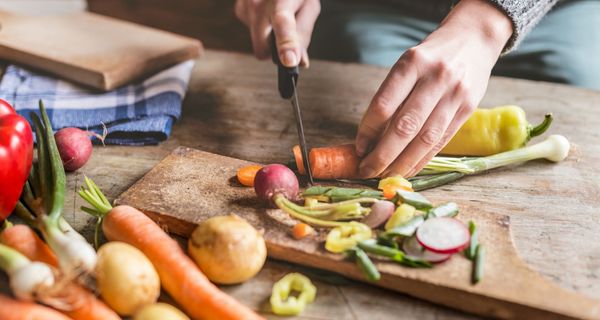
(346, 237)
(285, 305)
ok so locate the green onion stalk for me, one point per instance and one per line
(42, 201)
(443, 170)
(325, 214)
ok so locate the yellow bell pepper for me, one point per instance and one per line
(283, 303)
(495, 130)
(345, 237)
(402, 215)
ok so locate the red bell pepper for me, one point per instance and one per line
(16, 154)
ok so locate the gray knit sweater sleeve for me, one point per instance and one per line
(525, 14)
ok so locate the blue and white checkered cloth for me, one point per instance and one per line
(137, 114)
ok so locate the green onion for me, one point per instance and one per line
(471, 250)
(414, 199)
(366, 265)
(449, 209)
(407, 229)
(337, 194)
(442, 170)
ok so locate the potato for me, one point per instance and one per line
(227, 249)
(126, 279)
(159, 311)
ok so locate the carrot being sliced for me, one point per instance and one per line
(84, 305)
(13, 309)
(245, 175)
(335, 162)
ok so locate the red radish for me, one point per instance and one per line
(381, 211)
(443, 235)
(415, 250)
(74, 146)
(276, 179)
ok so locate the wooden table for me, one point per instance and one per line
(232, 108)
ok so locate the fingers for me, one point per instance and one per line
(403, 128)
(305, 20)
(283, 20)
(459, 119)
(428, 139)
(392, 92)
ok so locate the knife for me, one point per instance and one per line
(287, 79)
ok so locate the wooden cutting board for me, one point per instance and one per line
(190, 186)
(91, 49)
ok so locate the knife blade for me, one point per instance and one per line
(287, 79)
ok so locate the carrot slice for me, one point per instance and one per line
(245, 175)
(302, 230)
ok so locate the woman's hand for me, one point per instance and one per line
(292, 21)
(431, 91)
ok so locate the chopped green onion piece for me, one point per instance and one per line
(478, 263)
(336, 194)
(414, 199)
(449, 209)
(407, 229)
(366, 265)
(472, 248)
(371, 246)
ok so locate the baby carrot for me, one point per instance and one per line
(245, 175)
(13, 309)
(301, 230)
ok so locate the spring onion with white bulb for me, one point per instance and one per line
(28, 280)
(42, 202)
(442, 170)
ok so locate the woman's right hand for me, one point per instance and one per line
(292, 21)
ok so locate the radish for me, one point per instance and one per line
(443, 235)
(381, 211)
(74, 146)
(415, 250)
(276, 180)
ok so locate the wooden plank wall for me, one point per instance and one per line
(211, 21)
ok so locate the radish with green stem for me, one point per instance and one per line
(442, 170)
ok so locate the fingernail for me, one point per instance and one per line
(366, 172)
(361, 146)
(289, 58)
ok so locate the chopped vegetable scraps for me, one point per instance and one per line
(284, 303)
(398, 182)
(346, 237)
(302, 230)
(245, 175)
(402, 215)
(336, 194)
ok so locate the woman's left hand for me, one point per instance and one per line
(431, 91)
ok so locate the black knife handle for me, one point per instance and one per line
(284, 74)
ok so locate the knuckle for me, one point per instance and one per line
(407, 125)
(444, 69)
(382, 107)
(431, 136)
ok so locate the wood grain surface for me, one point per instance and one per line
(232, 108)
(190, 186)
(91, 49)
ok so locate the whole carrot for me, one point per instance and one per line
(13, 309)
(335, 162)
(179, 275)
(80, 304)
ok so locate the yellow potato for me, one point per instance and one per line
(160, 311)
(227, 249)
(126, 278)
